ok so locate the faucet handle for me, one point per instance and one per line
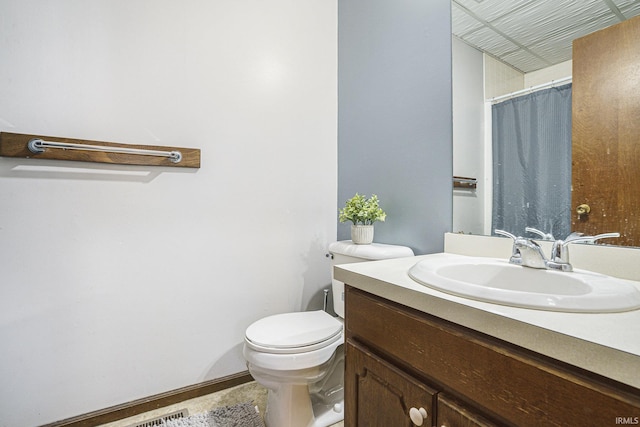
(579, 237)
(506, 234)
(560, 252)
(545, 236)
(515, 253)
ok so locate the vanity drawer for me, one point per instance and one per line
(514, 384)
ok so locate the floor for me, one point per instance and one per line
(243, 393)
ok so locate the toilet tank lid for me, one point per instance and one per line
(373, 251)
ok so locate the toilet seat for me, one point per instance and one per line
(300, 357)
(293, 332)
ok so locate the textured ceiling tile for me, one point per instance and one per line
(631, 10)
(491, 42)
(532, 23)
(490, 10)
(524, 62)
(625, 3)
(572, 32)
(546, 28)
(461, 22)
(553, 52)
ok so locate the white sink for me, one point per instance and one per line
(496, 281)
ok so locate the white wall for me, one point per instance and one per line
(120, 282)
(468, 137)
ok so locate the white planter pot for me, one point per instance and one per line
(362, 234)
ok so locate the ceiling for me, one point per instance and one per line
(534, 34)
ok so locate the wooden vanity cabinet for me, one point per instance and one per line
(398, 358)
(451, 413)
(384, 394)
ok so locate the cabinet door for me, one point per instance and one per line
(378, 394)
(454, 414)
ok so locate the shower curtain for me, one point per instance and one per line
(532, 163)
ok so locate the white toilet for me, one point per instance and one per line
(299, 357)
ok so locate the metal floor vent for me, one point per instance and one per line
(160, 420)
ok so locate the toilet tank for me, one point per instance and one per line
(346, 252)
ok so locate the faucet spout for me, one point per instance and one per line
(525, 252)
(530, 253)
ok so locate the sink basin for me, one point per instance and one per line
(496, 281)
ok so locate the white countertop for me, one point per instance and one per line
(605, 343)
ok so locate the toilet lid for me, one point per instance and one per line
(292, 330)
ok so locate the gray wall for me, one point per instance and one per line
(395, 116)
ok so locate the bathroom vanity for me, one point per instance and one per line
(417, 356)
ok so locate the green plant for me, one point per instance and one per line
(361, 210)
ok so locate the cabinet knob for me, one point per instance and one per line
(418, 415)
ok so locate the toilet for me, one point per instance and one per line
(299, 357)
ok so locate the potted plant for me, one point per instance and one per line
(362, 212)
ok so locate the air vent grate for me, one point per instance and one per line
(161, 420)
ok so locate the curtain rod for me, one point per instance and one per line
(531, 89)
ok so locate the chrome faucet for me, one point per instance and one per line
(528, 253)
(525, 251)
(560, 250)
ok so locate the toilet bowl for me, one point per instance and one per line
(299, 357)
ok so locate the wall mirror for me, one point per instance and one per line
(531, 43)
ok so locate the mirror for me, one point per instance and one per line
(519, 56)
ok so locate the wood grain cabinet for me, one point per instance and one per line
(405, 368)
(385, 395)
(455, 414)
